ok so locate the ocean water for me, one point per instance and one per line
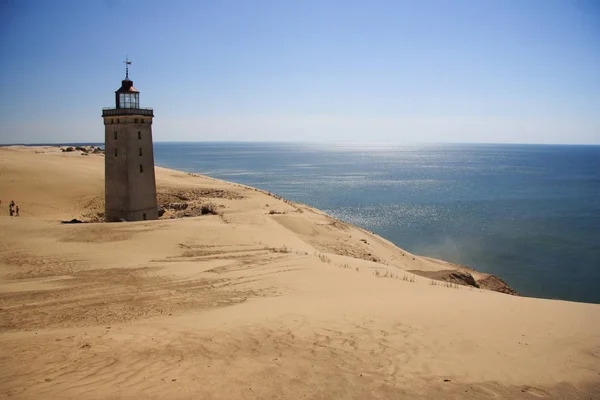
(527, 213)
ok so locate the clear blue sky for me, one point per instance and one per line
(525, 71)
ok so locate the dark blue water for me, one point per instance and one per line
(527, 213)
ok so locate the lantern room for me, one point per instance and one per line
(127, 96)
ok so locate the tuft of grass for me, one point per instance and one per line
(324, 258)
(272, 212)
(451, 285)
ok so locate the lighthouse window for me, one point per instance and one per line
(140, 151)
(115, 152)
(141, 168)
(139, 135)
(135, 121)
(115, 135)
(129, 100)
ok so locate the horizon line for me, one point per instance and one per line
(310, 142)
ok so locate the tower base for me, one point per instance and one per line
(139, 215)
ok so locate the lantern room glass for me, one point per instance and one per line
(129, 100)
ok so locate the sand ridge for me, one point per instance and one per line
(266, 299)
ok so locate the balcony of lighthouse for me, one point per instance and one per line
(115, 112)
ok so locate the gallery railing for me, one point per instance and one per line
(111, 111)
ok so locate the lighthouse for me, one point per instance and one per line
(129, 181)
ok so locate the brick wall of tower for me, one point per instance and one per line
(130, 192)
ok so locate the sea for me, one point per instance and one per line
(529, 214)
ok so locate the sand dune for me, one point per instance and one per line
(266, 299)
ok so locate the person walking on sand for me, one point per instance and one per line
(10, 211)
(17, 214)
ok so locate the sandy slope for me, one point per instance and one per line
(249, 304)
